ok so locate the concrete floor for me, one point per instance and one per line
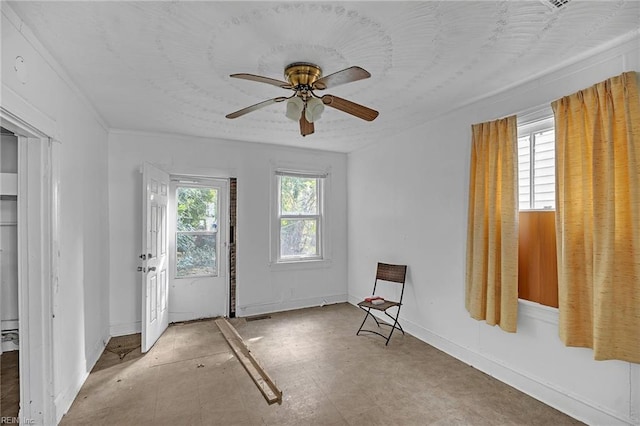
(329, 376)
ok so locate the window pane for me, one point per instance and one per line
(197, 209)
(524, 170)
(536, 170)
(298, 237)
(298, 195)
(544, 170)
(196, 255)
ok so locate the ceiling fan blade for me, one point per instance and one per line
(261, 79)
(341, 77)
(306, 128)
(349, 107)
(257, 106)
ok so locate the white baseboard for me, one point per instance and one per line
(288, 305)
(98, 349)
(123, 329)
(560, 399)
(9, 346)
(64, 399)
(12, 324)
(9, 326)
(634, 379)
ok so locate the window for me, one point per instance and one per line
(536, 165)
(537, 264)
(299, 216)
(196, 231)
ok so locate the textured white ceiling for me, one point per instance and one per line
(164, 66)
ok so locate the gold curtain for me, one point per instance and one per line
(492, 229)
(598, 218)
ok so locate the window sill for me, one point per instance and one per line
(537, 311)
(300, 265)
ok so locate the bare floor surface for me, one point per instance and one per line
(328, 375)
(9, 385)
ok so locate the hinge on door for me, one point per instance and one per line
(142, 269)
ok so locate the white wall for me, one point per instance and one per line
(262, 287)
(421, 221)
(81, 298)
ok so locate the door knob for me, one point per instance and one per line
(151, 268)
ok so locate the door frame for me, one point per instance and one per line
(199, 181)
(38, 251)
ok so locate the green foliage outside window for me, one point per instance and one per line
(298, 195)
(197, 231)
(196, 207)
(299, 234)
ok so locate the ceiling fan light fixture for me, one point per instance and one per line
(295, 106)
(303, 78)
(314, 110)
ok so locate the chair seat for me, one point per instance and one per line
(381, 307)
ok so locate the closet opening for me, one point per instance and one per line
(9, 307)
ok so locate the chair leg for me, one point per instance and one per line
(368, 311)
(390, 333)
(376, 320)
(394, 326)
(394, 319)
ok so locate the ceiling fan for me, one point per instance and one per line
(304, 105)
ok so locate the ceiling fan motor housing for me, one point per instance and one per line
(302, 73)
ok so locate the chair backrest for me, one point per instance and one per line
(393, 273)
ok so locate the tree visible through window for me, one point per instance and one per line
(299, 216)
(196, 231)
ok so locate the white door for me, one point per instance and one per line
(155, 315)
(198, 217)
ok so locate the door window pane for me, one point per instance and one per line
(196, 254)
(197, 232)
(197, 209)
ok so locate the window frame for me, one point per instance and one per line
(320, 217)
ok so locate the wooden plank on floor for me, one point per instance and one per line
(258, 374)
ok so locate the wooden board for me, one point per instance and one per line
(537, 259)
(259, 376)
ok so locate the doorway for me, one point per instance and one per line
(9, 314)
(198, 248)
(37, 223)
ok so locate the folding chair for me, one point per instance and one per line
(392, 274)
